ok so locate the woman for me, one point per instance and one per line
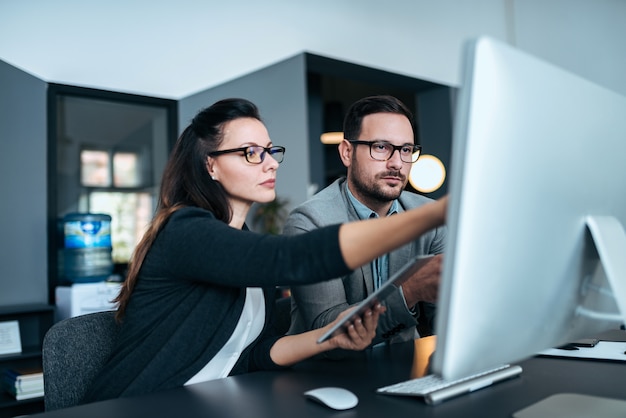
(197, 302)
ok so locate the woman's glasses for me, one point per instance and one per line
(255, 154)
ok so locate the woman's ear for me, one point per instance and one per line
(345, 152)
(209, 168)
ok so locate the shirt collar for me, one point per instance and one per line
(364, 212)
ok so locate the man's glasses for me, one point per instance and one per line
(255, 154)
(383, 150)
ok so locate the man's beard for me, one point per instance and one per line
(374, 192)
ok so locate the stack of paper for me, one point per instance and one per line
(603, 350)
(23, 383)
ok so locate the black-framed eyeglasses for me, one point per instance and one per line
(255, 154)
(383, 150)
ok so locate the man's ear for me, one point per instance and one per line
(345, 149)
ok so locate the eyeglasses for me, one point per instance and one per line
(383, 150)
(255, 154)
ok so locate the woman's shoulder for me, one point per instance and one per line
(190, 216)
(193, 211)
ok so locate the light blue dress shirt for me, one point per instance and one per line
(380, 266)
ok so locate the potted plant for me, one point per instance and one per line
(270, 217)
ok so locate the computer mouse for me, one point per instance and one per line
(333, 397)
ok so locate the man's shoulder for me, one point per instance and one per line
(409, 200)
(331, 191)
(326, 207)
(330, 195)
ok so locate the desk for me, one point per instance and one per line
(279, 394)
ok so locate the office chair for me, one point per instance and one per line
(74, 351)
(282, 320)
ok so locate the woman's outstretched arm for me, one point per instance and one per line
(363, 241)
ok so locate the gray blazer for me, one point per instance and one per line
(316, 305)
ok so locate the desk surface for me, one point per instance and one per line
(279, 394)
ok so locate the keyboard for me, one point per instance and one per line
(434, 389)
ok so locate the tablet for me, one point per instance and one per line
(380, 294)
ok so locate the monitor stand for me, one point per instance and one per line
(610, 241)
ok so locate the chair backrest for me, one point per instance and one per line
(74, 351)
(282, 313)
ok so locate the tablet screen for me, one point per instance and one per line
(380, 294)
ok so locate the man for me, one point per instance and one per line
(378, 152)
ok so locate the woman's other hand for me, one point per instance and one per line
(360, 332)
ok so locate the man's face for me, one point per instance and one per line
(378, 182)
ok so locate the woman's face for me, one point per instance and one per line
(245, 182)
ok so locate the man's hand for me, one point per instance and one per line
(424, 285)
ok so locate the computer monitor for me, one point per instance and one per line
(537, 250)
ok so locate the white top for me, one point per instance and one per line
(248, 329)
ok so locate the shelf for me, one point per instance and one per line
(27, 352)
(17, 310)
(34, 321)
(7, 400)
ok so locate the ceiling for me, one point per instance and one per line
(174, 49)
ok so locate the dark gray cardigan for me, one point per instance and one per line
(190, 295)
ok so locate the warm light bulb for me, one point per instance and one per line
(331, 138)
(427, 174)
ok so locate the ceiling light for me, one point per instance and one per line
(427, 174)
(331, 138)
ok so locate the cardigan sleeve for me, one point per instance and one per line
(194, 245)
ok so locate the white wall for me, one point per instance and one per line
(587, 37)
(175, 49)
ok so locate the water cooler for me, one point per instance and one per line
(85, 265)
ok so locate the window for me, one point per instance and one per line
(94, 168)
(126, 169)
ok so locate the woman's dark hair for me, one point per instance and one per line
(186, 181)
(369, 105)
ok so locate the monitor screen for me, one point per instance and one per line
(536, 212)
